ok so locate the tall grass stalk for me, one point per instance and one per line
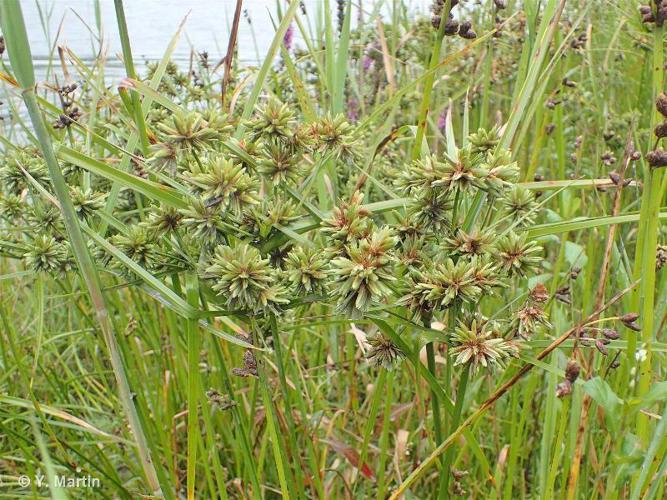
(651, 201)
(140, 122)
(13, 27)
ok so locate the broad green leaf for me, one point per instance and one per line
(153, 190)
(598, 389)
(584, 223)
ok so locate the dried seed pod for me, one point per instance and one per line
(2, 45)
(498, 27)
(633, 316)
(661, 256)
(500, 4)
(615, 178)
(657, 158)
(608, 158)
(249, 366)
(600, 346)
(615, 364)
(458, 490)
(220, 401)
(661, 104)
(630, 321)
(661, 14)
(579, 42)
(459, 474)
(564, 389)
(539, 293)
(648, 18)
(572, 371)
(660, 130)
(636, 155)
(564, 295)
(466, 31)
(451, 28)
(585, 341)
(610, 334)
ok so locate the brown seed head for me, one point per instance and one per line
(459, 474)
(599, 345)
(468, 35)
(610, 333)
(539, 293)
(657, 158)
(572, 371)
(661, 256)
(661, 104)
(451, 28)
(629, 320)
(564, 389)
(661, 130)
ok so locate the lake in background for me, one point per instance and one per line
(152, 23)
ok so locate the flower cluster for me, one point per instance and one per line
(480, 344)
(248, 222)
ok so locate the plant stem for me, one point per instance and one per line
(288, 400)
(378, 394)
(430, 79)
(460, 397)
(653, 194)
(14, 30)
(384, 438)
(435, 404)
(140, 122)
(192, 329)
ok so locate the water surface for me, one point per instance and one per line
(152, 23)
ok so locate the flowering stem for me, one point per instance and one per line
(192, 328)
(140, 122)
(288, 400)
(378, 394)
(456, 418)
(430, 358)
(455, 209)
(13, 27)
(653, 194)
(384, 438)
(428, 83)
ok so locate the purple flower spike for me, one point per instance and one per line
(442, 120)
(289, 37)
